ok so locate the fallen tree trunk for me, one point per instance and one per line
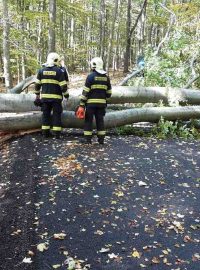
(23, 85)
(32, 120)
(24, 103)
(121, 95)
(130, 76)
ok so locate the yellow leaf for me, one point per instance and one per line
(55, 266)
(120, 194)
(155, 260)
(143, 265)
(59, 236)
(113, 202)
(136, 254)
(165, 260)
(41, 247)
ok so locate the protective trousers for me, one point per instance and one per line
(51, 122)
(99, 114)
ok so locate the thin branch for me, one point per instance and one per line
(191, 81)
(138, 17)
(23, 85)
(172, 21)
(129, 76)
(194, 75)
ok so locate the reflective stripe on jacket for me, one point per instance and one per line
(51, 83)
(96, 91)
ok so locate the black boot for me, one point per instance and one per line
(101, 139)
(46, 133)
(57, 135)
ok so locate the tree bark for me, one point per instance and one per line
(115, 12)
(130, 32)
(128, 38)
(102, 29)
(52, 31)
(32, 120)
(129, 76)
(121, 94)
(172, 21)
(23, 85)
(6, 46)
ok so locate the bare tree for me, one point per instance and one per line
(115, 12)
(102, 28)
(171, 23)
(52, 31)
(6, 46)
(130, 31)
(128, 38)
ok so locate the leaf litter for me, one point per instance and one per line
(104, 186)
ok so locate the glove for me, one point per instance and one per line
(80, 112)
(38, 102)
(66, 96)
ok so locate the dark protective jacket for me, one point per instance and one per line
(96, 91)
(52, 84)
(66, 74)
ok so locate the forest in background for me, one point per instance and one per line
(166, 33)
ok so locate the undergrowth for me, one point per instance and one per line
(163, 130)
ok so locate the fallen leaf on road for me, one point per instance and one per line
(42, 247)
(155, 260)
(112, 256)
(104, 250)
(136, 254)
(27, 260)
(56, 266)
(142, 184)
(59, 236)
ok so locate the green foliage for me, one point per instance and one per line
(172, 66)
(185, 12)
(130, 130)
(163, 130)
(78, 26)
(169, 129)
(159, 20)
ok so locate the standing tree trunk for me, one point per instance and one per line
(116, 49)
(112, 35)
(141, 32)
(130, 32)
(102, 28)
(52, 32)
(128, 38)
(41, 48)
(72, 40)
(6, 46)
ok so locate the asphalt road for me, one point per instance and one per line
(132, 204)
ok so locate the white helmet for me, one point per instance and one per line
(97, 64)
(52, 59)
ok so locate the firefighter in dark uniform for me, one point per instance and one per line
(50, 88)
(94, 98)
